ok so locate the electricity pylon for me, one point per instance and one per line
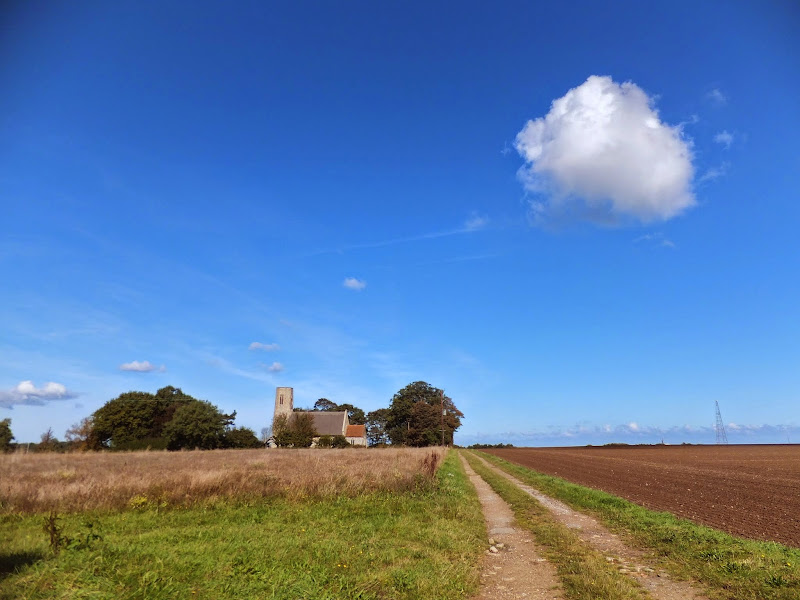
(722, 438)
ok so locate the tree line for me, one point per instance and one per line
(418, 415)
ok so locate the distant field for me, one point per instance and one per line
(87, 481)
(751, 491)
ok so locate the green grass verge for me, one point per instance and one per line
(730, 567)
(423, 544)
(585, 574)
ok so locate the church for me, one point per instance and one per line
(326, 423)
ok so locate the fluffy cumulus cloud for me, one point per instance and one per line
(267, 347)
(351, 283)
(144, 366)
(25, 392)
(602, 154)
(275, 367)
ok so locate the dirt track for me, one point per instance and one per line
(750, 491)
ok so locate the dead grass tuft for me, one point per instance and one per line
(31, 483)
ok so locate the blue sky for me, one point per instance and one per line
(580, 221)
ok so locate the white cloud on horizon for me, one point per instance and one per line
(602, 154)
(724, 138)
(635, 433)
(353, 283)
(26, 393)
(272, 347)
(144, 366)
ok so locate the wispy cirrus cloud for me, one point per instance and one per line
(716, 97)
(603, 155)
(272, 347)
(713, 173)
(655, 239)
(472, 224)
(724, 138)
(353, 283)
(26, 393)
(144, 366)
(475, 222)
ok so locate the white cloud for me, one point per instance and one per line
(268, 347)
(717, 97)
(275, 367)
(475, 222)
(603, 154)
(25, 392)
(724, 138)
(655, 239)
(144, 366)
(714, 173)
(351, 283)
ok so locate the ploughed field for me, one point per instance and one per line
(749, 491)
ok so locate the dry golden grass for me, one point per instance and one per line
(84, 481)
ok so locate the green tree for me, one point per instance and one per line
(326, 405)
(303, 430)
(5, 435)
(197, 424)
(241, 437)
(376, 427)
(416, 419)
(355, 415)
(136, 420)
(281, 432)
(339, 441)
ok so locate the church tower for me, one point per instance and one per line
(284, 401)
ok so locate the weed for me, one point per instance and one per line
(54, 532)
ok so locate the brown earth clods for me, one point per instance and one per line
(749, 491)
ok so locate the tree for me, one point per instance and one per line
(5, 435)
(137, 420)
(266, 433)
(326, 405)
(303, 430)
(281, 432)
(296, 432)
(376, 427)
(241, 437)
(81, 435)
(197, 424)
(416, 419)
(339, 441)
(48, 441)
(354, 414)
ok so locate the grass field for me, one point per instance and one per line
(87, 481)
(729, 567)
(396, 532)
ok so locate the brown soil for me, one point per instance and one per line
(630, 561)
(515, 569)
(749, 491)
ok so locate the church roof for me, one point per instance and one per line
(359, 431)
(327, 423)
